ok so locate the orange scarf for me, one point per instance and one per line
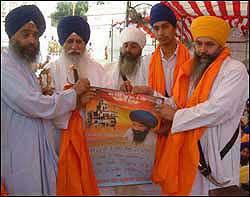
(178, 164)
(3, 190)
(75, 172)
(157, 82)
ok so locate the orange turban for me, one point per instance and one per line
(212, 27)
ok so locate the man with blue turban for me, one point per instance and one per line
(141, 129)
(163, 64)
(28, 157)
(74, 62)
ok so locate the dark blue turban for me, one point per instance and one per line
(19, 16)
(244, 145)
(160, 12)
(70, 24)
(144, 117)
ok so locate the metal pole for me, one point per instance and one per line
(182, 28)
(112, 41)
(74, 6)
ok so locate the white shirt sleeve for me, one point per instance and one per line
(28, 101)
(231, 92)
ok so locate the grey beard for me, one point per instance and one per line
(75, 59)
(128, 65)
(200, 65)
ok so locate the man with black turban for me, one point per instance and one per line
(28, 157)
(142, 124)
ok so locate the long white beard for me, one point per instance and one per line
(82, 62)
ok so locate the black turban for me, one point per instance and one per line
(70, 24)
(19, 16)
(144, 117)
(160, 12)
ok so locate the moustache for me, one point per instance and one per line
(74, 52)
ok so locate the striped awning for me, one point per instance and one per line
(235, 12)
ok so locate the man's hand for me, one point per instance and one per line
(86, 97)
(165, 111)
(47, 91)
(143, 90)
(126, 87)
(82, 86)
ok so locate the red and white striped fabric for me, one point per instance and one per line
(235, 12)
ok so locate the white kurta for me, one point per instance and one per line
(62, 74)
(114, 79)
(221, 113)
(28, 158)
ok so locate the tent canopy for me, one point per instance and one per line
(235, 12)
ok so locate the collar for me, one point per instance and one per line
(175, 52)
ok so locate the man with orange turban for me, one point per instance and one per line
(210, 93)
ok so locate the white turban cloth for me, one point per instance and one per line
(133, 34)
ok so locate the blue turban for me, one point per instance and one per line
(144, 117)
(244, 145)
(70, 24)
(19, 16)
(160, 12)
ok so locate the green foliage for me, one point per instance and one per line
(66, 9)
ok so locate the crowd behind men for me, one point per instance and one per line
(204, 95)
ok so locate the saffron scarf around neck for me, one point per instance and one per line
(75, 171)
(156, 77)
(178, 164)
(156, 80)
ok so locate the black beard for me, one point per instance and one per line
(29, 52)
(139, 136)
(128, 63)
(244, 160)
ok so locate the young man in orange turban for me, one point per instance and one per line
(210, 93)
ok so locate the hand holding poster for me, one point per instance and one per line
(121, 136)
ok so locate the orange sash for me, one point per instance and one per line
(75, 172)
(179, 160)
(3, 190)
(157, 82)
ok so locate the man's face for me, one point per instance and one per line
(164, 32)
(244, 156)
(74, 47)
(26, 42)
(129, 56)
(131, 49)
(206, 49)
(140, 131)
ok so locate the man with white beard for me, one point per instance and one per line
(74, 62)
(130, 66)
(74, 34)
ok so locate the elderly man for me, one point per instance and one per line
(28, 158)
(130, 66)
(210, 94)
(75, 62)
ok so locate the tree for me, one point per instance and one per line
(66, 9)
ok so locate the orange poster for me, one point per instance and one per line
(121, 136)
